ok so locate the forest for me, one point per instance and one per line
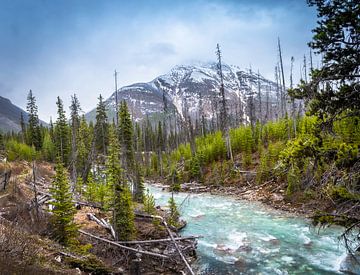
(304, 147)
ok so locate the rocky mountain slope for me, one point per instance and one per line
(10, 116)
(190, 87)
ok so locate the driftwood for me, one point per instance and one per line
(102, 223)
(177, 247)
(171, 237)
(123, 246)
(160, 240)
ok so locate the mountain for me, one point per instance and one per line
(185, 87)
(10, 116)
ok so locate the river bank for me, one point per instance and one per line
(269, 193)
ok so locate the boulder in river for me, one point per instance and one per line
(351, 264)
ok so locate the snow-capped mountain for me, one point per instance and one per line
(192, 86)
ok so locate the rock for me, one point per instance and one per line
(244, 248)
(58, 259)
(241, 265)
(274, 242)
(351, 264)
(277, 197)
(308, 245)
(221, 249)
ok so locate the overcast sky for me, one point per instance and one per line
(61, 47)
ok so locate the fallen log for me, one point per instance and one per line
(171, 237)
(102, 223)
(177, 247)
(123, 246)
(160, 240)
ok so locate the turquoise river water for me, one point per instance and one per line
(242, 237)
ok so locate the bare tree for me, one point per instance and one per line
(224, 123)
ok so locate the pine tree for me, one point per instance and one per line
(332, 91)
(75, 124)
(65, 229)
(101, 127)
(85, 139)
(62, 134)
(123, 215)
(149, 203)
(139, 183)
(173, 219)
(34, 134)
(23, 128)
(126, 137)
(48, 148)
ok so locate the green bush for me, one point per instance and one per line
(19, 151)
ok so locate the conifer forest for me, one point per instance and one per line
(208, 169)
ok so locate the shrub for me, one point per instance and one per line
(19, 151)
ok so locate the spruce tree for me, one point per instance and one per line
(126, 137)
(34, 134)
(65, 229)
(75, 124)
(173, 219)
(332, 92)
(101, 128)
(62, 134)
(84, 143)
(123, 215)
(23, 128)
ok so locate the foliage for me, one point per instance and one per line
(332, 92)
(149, 203)
(65, 230)
(33, 132)
(62, 130)
(101, 130)
(19, 151)
(123, 213)
(173, 218)
(121, 200)
(126, 137)
(48, 149)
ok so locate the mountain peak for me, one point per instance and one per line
(184, 85)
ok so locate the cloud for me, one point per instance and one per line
(62, 53)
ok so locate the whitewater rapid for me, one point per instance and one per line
(242, 237)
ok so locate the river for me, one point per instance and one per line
(243, 237)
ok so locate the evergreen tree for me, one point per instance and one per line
(34, 134)
(173, 219)
(48, 148)
(65, 230)
(85, 140)
(149, 203)
(23, 128)
(62, 134)
(139, 183)
(123, 215)
(332, 92)
(51, 131)
(75, 124)
(101, 128)
(126, 137)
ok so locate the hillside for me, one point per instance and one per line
(10, 116)
(186, 87)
